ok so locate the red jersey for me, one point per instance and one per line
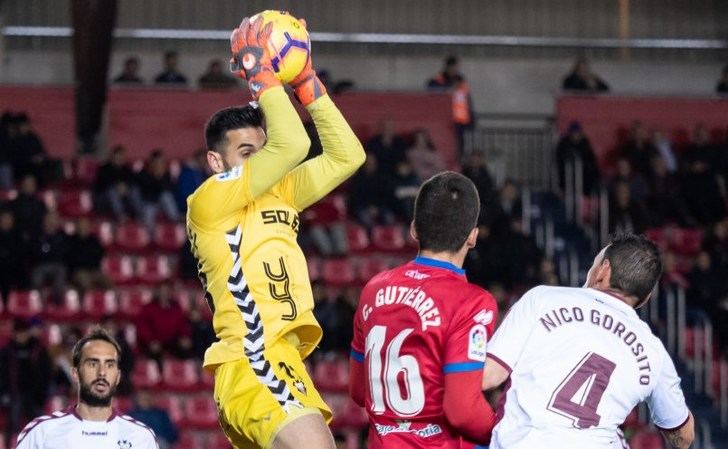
(414, 325)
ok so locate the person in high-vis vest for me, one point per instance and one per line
(452, 80)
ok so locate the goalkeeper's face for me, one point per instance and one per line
(239, 145)
(98, 373)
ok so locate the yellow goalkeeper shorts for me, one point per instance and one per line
(257, 398)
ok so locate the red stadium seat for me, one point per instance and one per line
(124, 403)
(104, 231)
(332, 375)
(131, 301)
(169, 236)
(118, 268)
(201, 413)
(370, 267)
(338, 272)
(314, 268)
(645, 439)
(69, 309)
(55, 403)
(207, 380)
(338, 402)
(356, 237)
(686, 241)
(52, 335)
(145, 374)
(74, 203)
(180, 375)
(99, 303)
(173, 405)
(388, 238)
(85, 170)
(153, 269)
(132, 236)
(217, 440)
(24, 304)
(191, 440)
(658, 236)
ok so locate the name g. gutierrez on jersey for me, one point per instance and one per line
(564, 315)
(415, 298)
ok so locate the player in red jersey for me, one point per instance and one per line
(421, 329)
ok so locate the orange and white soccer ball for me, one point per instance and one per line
(289, 44)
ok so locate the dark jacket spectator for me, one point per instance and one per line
(202, 334)
(626, 215)
(636, 181)
(156, 418)
(664, 200)
(405, 186)
(581, 78)
(28, 209)
(707, 284)
(371, 195)
(638, 150)
(387, 147)
(699, 183)
(12, 272)
(722, 87)
(48, 253)
(215, 78)
(476, 169)
(84, 258)
(191, 176)
(336, 316)
(116, 188)
(170, 75)
(157, 191)
(130, 75)
(573, 146)
(28, 152)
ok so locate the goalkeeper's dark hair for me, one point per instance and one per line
(636, 265)
(228, 119)
(97, 333)
(446, 211)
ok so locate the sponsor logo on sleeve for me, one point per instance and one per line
(484, 317)
(231, 174)
(477, 343)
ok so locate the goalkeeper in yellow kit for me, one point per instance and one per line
(243, 223)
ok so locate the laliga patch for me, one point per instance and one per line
(484, 317)
(477, 343)
(231, 174)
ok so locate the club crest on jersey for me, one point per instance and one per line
(123, 444)
(484, 317)
(477, 343)
(231, 174)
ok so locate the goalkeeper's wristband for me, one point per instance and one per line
(309, 89)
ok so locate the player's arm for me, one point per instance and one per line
(669, 411)
(342, 154)
(506, 346)
(464, 404)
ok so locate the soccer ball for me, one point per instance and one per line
(288, 45)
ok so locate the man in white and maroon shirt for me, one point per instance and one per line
(580, 359)
(92, 423)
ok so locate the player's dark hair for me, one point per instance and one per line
(228, 119)
(636, 265)
(96, 333)
(446, 211)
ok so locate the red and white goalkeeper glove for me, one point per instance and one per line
(250, 58)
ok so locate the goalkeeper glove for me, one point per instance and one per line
(250, 58)
(306, 86)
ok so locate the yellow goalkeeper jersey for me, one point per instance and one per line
(243, 226)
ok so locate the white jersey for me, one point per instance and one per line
(579, 360)
(66, 430)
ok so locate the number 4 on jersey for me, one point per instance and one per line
(578, 396)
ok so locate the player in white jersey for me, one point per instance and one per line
(91, 423)
(580, 359)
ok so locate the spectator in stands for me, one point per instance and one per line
(638, 149)
(170, 74)
(116, 189)
(24, 379)
(130, 74)
(215, 78)
(147, 412)
(424, 158)
(476, 168)
(127, 360)
(193, 173)
(48, 254)
(29, 154)
(707, 285)
(371, 195)
(636, 181)
(572, 147)
(625, 214)
(715, 241)
(84, 258)
(388, 148)
(672, 274)
(28, 209)
(583, 79)
(11, 269)
(163, 326)
(700, 184)
(157, 191)
(485, 263)
(7, 130)
(722, 87)
(405, 186)
(326, 225)
(336, 316)
(202, 333)
(523, 258)
(664, 201)
(187, 263)
(664, 147)
(452, 80)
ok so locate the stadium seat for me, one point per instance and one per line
(118, 268)
(332, 375)
(55, 403)
(356, 237)
(169, 236)
(145, 374)
(74, 203)
(52, 335)
(104, 231)
(173, 405)
(314, 268)
(182, 297)
(153, 269)
(338, 272)
(207, 380)
(686, 241)
(180, 375)
(131, 301)
(388, 238)
(99, 303)
(131, 236)
(217, 440)
(645, 439)
(189, 440)
(370, 267)
(85, 169)
(68, 309)
(24, 304)
(658, 236)
(124, 403)
(200, 412)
